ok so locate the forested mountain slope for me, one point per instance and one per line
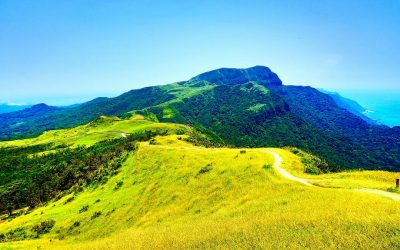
(244, 107)
(371, 145)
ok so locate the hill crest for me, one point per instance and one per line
(232, 76)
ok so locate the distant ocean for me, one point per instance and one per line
(380, 105)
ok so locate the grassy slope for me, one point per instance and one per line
(40, 118)
(382, 180)
(168, 199)
(102, 128)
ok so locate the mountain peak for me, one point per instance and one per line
(231, 76)
(40, 106)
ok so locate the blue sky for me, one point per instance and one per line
(62, 52)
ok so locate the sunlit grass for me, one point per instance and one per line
(382, 180)
(102, 128)
(175, 195)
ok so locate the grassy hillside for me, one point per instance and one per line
(39, 118)
(351, 179)
(171, 194)
(33, 171)
(102, 128)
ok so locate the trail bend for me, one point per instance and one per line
(285, 174)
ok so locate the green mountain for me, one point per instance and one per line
(243, 107)
(172, 171)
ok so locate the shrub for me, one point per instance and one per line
(205, 169)
(69, 200)
(119, 185)
(84, 209)
(180, 132)
(203, 137)
(267, 167)
(76, 224)
(14, 235)
(43, 227)
(95, 215)
(312, 164)
(311, 169)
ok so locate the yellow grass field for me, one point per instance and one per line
(174, 195)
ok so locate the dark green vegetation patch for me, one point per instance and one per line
(28, 180)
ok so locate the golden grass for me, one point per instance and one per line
(102, 128)
(382, 180)
(177, 196)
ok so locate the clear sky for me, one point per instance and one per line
(62, 52)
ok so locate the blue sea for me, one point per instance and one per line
(383, 106)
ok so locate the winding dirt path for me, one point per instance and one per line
(285, 174)
(277, 165)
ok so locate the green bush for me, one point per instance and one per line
(205, 169)
(95, 215)
(75, 224)
(14, 235)
(69, 200)
(312, 164)
(84, 209)
(43, 227)
(267, 167)
(200, 136)
(119, 185)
